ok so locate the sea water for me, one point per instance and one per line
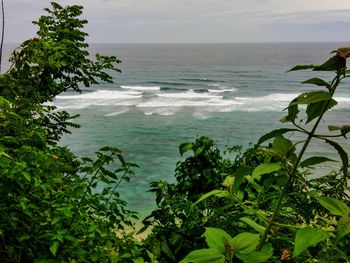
(168, 94)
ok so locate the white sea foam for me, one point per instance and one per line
(141, 88)
(104, 94)
(222, 90)
(115, 113)
(189, 95)
(169, 103)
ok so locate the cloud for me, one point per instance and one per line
(188, 20)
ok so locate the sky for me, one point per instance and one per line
(194, 21)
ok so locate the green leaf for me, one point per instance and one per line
(245, 242)
(311, 97)
(314, 110)
(258, 228)
(343, 156)
(292, 113)
(315, 160)
(185, 147)
(302, 67)
(54, 247)
(215, 238)
(239, 176)
(217, 193)
(307, 237)
(317, 81)
(229, 181)
(343, 227)
(334, 206)
(265, 168)
(273, 134)
(257, 256)
(204, 256)
(335, 63)
(283, 146)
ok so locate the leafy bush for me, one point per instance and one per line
(56, 207)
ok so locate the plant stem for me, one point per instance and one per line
(2, 32)
(293, 173)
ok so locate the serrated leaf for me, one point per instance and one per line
(343, 156)
(302, 67)
(316, 81)
(265, 168)
(258, 228)
(257, 256)
(307, 237)
(217, 193)
(311, 97)
(315, 160)
(334, 206)
(314, 110)
(204, 256)
(245, 242)
(273, 134)
(343, 227)
(215, 238)
(54, 247)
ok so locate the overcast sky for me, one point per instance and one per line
(193, 21)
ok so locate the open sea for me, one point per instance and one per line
(168, 94)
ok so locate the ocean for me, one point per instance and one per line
(168, 94)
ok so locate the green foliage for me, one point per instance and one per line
(56, 207)
(263, 190)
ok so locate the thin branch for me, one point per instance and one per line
(2, 31)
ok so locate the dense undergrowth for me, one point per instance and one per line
(253, 206)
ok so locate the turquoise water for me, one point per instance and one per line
(170, 94)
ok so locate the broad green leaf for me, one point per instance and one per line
(215, 238)
(292, 113)
(217, 193)
(334, 206)
(302, 67)
(311, 97)
(335, 63)
(343, 156)
(185, 147)
(258, 228)
(257, 256)
(315, 160)
(54, 247)
(283, 146)
(317, 81)
(343, 226)
(265, 168)
(245, 242)
(239, 176)
(204, 256)
(314, 110)
(307, 237)
(273, 134)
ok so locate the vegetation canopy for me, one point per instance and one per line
(250, 206)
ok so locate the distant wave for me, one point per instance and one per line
(143, 88)
(165, 102)
(189, 94)
(199, 80)
(104, 94)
